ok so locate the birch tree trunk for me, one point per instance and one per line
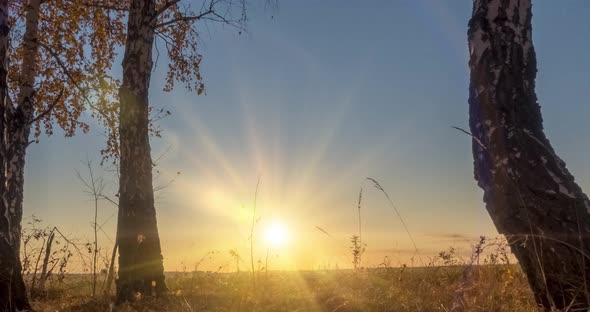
(140, 260)
(19, 126)
(13, 296)
(528, 191)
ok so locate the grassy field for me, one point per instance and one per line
(435, 288)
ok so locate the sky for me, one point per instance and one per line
(315, 97)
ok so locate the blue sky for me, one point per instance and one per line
(316, 98)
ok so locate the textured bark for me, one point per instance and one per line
(528, 191)
(20, 125)
(4, 64)
(140, 260)
(13, 296)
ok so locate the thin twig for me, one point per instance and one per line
(49, 109)
(471, 135)
(252, 230)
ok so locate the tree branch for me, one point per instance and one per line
(165, 7)
(105, 6)
(49, 109)
(71, 78)
(187, 19)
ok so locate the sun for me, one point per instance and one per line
(277, 234)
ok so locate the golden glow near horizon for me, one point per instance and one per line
(277, 235)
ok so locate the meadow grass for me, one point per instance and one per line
(487, 280)
(436, 288)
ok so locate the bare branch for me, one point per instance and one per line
(208, 12)
(104, 232)
(109, 200)
(188, 19)
(70, 242)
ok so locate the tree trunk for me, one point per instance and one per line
(20, 125)
(44, 275)
(140, 259)
(13, 296)
(529, 193)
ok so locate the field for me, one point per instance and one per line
(435, 288)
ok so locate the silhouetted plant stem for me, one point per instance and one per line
(252, 232)
(379, 187)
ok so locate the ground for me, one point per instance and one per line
(436, 288)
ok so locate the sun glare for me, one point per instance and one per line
(277, 235)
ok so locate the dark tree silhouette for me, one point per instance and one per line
(529, 193)
(13, 296)
(174, 24)
(47, 82)
(140, 256)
